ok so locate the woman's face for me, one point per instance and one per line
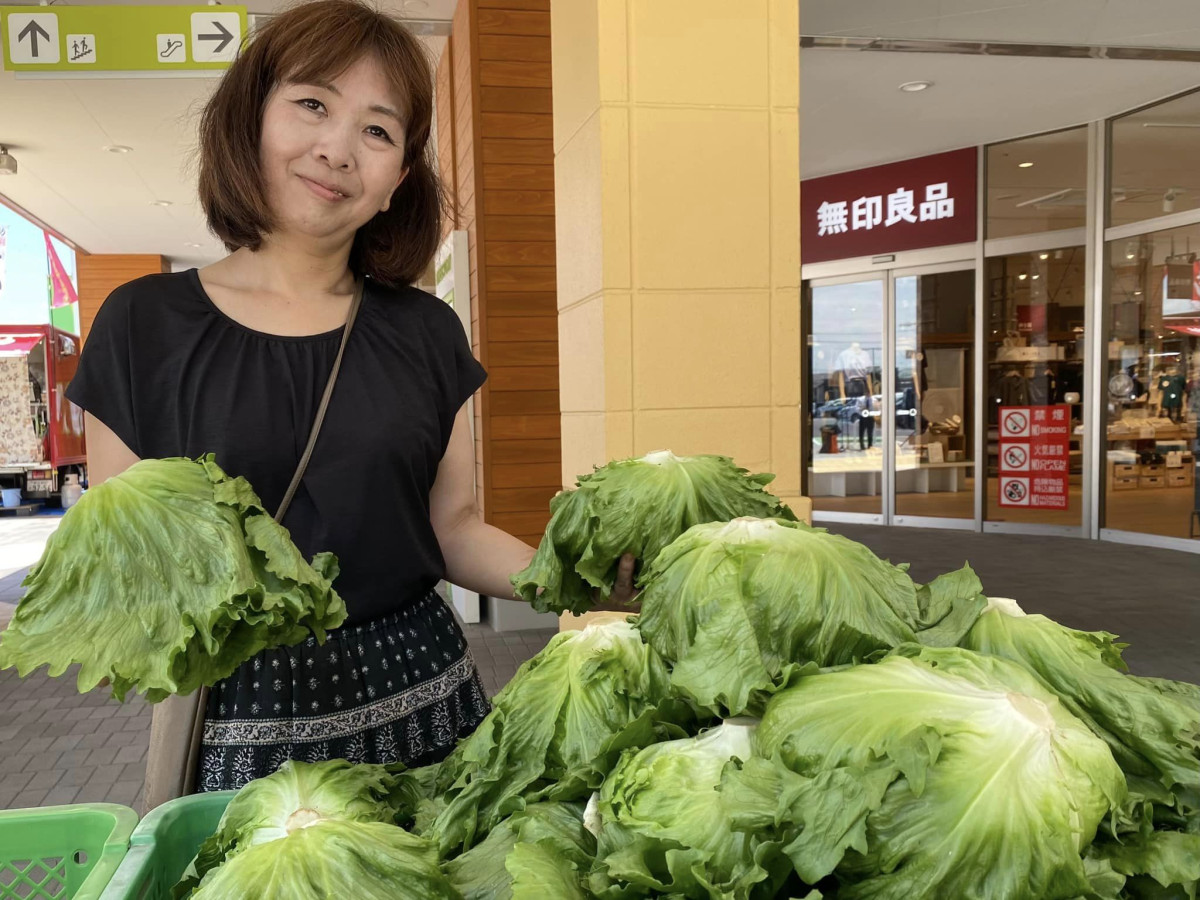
(332, 154)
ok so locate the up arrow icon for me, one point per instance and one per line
(31, 31)
(33, 38)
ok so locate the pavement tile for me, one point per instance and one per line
(94, 740)
(67, 742)
(15, 781)
(128, 738)
(79, 775)
(106, 774)
(38, 745)
(7, 797)
(131, 754)
(40, 762)
(124, 792)
(58, 729)
(44, 780)
(135, 771)
(28, 799)
(102, 756)
(72, 758)
(60, 795)
(93, 792)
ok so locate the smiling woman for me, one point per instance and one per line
(327, 72)
(316, 174)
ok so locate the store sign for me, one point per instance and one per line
(77, 40)
(925, 202)
(1035, 456)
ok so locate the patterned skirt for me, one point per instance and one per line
(401, 688)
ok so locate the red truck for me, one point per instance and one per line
(41, 432)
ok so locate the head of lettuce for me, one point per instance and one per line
(165, 578)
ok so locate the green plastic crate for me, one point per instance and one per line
(163, 844)
(67, 852)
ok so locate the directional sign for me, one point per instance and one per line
(147, 39)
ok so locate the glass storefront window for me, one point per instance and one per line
(1152, 391)
(1035, 361)
(1154, 153)
(1037, 184)
(935, 341)
(844, 416)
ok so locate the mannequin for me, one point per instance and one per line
(854, 382)
(1171, 385)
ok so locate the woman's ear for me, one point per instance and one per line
(388, 200)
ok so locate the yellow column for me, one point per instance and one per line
(677, 206)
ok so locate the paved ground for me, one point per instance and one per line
(57, 746)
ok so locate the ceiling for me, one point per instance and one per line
(101, 201)
(853, 115)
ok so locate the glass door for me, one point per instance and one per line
(934, 402)
(844, 407)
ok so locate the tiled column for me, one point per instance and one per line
(677, 188)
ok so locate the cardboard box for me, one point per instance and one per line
(1152, 481)
(1156, 469)
(1125, 470)
(1125, 483)
(1181, 478)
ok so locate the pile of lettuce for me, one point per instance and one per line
(165, 578)
(789, 717)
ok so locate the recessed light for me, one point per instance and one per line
(912, 87)
(1025, 165)
(1036, 277)
(193, 245)
(416, 5)
(1043, 256)
(118, 148)
(1022, 277)
(162, 203)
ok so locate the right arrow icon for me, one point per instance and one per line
(224, 36)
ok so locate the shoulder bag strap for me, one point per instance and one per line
(316, 426)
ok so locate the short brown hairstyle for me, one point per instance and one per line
(318, 41)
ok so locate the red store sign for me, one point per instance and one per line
(924, 202)
(1035, 456)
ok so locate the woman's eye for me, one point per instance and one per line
(379, 133)
(310, 104)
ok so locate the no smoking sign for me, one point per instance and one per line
(1014, 423)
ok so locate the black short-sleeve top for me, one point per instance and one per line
(172, 375)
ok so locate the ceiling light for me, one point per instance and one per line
(912, 87)
(1022, 277)
(193, 245)
(1043, 256)
(1036, 277)
(8, 164)
(1025, 165)
(118, 148)
(415, 5)
(162, 203)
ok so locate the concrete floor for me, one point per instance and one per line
(58, 747)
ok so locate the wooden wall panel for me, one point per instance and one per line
(99, 274)
(503, 161)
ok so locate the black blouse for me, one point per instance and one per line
(172, 375)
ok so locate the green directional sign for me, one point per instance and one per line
(152, 39)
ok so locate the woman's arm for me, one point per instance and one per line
(107, 454)
(478, 556)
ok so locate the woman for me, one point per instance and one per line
(315, 169)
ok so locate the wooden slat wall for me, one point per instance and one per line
(100, 274)
(497, 71)
(516, 162)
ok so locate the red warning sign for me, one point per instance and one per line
(1035, 462)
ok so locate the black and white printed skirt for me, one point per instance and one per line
(401, 688)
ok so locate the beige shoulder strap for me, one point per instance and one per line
(316, 426)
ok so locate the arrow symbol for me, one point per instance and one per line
(31, 31)
(224, 37)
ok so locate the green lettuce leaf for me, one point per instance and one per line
(737, 606)
(542, 851)
(1152, 726)
(298, 796)
(663, 829)
(1171, 859)
(165, 578)
(996, 788)
(636, 506)
(332, 858)
(554, 731)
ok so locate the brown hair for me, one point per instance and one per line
(318, 41)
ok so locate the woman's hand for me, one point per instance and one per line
(623, 591)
